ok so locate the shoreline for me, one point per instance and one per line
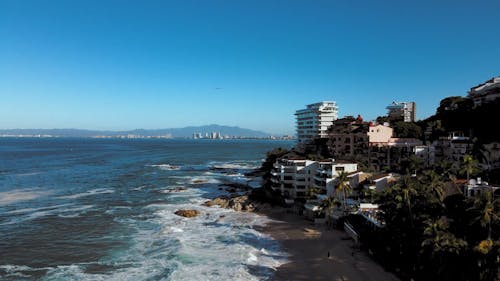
(317, 253)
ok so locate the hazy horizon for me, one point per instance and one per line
(109, 65)
(146, 129)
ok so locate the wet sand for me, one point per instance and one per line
(309, 246)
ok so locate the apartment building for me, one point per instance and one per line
(476, 187)
(426, 153)
(294, 177)
(326, 173)
(452, 148)
(404, 111)
(390, 155)
(351, 136)
(314, 121)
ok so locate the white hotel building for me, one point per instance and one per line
(314, 121)
(293, 177)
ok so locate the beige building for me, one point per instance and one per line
(379, 134)
(351, 136)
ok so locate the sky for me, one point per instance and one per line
(119, 65)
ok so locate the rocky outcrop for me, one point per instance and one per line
(187, 213)
(241, 203)
(219, 201)
(238, 203)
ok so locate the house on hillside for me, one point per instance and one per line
(485, 92)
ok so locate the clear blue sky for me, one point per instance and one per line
(158, 64)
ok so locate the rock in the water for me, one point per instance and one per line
(187, 213)
(220, 201)
(178, 189)
(237, 203)
(199, 181)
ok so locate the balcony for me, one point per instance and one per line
(320, 179)
(300, 176)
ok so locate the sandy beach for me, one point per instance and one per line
(310, 245)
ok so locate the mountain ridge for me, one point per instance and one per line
(184, 132)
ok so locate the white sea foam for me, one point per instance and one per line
(234, 165)
(19, 195)
(213, 244)
(28, 174)
(18, 271)
(139, 187)
(203, 180)
(219, 244)
(87, 193)
(28, 210)
(75, 212)
(29, 214)
(166, 167)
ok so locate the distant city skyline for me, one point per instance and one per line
(121, 65)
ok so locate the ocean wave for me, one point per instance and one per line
(28, 210)
(61, 210)
(87, 193)
(213, 244)
(19, 271)
(28, 174)
(19, 195)
(235, 165)
(166, 167)
(75, 212)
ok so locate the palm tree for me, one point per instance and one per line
(433, 181)
(441, 245)
(328, 204)
(438, 238)
(469, 166)
(408, 189)
(343, 187)
(448, 170)
(486, 210)
(311, 193)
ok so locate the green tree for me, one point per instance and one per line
(311, 192)
(343, 188)
(469, 166)
(434, 183)
(406, 130)
(486, 211)
(442, 252)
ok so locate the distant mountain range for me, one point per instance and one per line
(186, 132)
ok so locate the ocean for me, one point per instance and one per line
(103, 209)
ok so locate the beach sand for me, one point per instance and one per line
(309, 246)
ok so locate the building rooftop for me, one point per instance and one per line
(492, 83)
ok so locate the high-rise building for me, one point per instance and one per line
(404, 111)
(314, 120)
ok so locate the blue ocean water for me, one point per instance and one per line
(103, 209)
